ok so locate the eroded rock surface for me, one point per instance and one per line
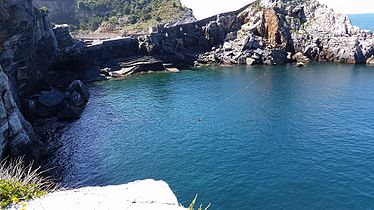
(29, 46)
(139, 195)
(265, 32)
(17, 137)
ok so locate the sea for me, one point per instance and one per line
(243, 137)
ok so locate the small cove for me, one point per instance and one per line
(295, 138)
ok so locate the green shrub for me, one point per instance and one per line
(12, 192)
(21, 182)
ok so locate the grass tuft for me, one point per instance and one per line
(22, 182)
(193, 203)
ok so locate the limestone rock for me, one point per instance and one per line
(308, 27)
(250, 61)
(370, 60)
(300, 64)
(138, 195)
(300, 58)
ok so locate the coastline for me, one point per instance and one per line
(254, 35)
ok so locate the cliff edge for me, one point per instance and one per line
(138, 195)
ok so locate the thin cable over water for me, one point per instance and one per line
(202, 117)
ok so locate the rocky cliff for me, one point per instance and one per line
(268, 32)
(16, 134)
(29, 46)
(21, 31)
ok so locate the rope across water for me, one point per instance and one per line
(202, 117)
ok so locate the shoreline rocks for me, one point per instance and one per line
(265, 31)
(66, 106)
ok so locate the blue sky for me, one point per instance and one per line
(206, 8)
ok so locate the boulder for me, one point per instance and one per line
(312, 52)
(241, 60)
(76, 99)
(52, 98)
(269, 62)
(300, 65)
(228, 46)
(300, 58)
(370, 60)
(250, 61)
(279, 56)
(80, 88)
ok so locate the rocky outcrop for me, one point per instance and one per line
(265, 32)
(139, 195)
(124, 67)
(329, 36)
(65, 105)
(17, 137)
(29, 46)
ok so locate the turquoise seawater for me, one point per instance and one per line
(241, 137)
(364, 21)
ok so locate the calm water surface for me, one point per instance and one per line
(293, 139)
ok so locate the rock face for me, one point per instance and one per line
(329, 36)
(139, 195)
(265, 32)
(29, 46)
(16, 134)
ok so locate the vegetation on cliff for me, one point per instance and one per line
(20, 182)
(137, 15)
(193, 203)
